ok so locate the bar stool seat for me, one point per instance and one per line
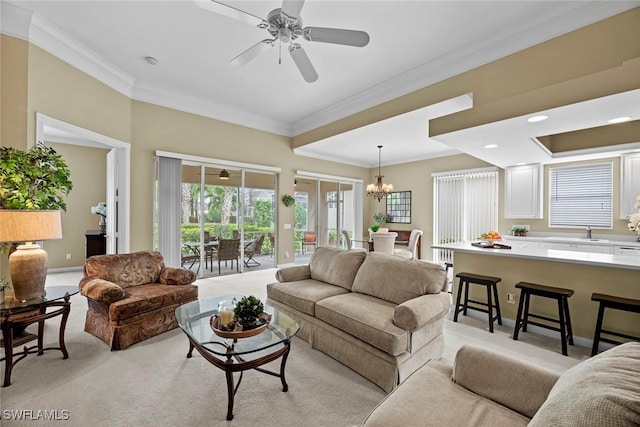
(615, 303)
(561, 295)
(492, 303)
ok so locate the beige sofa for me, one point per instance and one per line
(485, 388)
(380, 315)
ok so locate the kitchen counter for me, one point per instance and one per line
(584, 272)
(604, 241)
(519, 250)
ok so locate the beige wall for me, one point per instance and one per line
(159, 128)
(14, 63)
(416, 177)
(89, 176)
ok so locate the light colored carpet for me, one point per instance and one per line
(153, 383)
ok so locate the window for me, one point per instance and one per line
(581, 196)
(465, 206)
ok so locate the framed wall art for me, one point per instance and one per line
(399, 207)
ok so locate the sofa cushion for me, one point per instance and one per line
(398, 279)
(603, 390)
(303, 294)
(176, 276)
(428, 398)
(144, 298)
(367, 318)
(126, 270)
(336, 266)
(102, 291)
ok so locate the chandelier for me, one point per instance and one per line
(379, 190)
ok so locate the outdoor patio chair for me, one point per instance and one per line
(255, 248)
(228, 250)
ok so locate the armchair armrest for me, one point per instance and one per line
(417, 312)
(510, 382)
(292, 274)
(176, 276)
(102, 291)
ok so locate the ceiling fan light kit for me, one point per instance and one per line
(285, 26)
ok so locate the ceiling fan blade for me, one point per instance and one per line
(292, 8)
(303, 63)
(251, 53)
(232, 12)
(337, 36)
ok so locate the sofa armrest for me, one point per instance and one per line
(520, 386)
(102, 291)
(176, 276)
(292, 274)
(417, 312)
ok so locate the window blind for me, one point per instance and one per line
(465, 206)
(581, 196)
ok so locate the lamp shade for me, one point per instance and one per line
(29, 226)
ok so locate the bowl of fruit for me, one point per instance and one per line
(491, 236)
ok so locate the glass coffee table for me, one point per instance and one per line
(237, 355)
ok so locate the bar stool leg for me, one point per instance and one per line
(519, 316)
(596, 336)
(565, 301)
(466, 296)
(460, 289)
(563, 330)
(490, 309)
(525, 315)
(497, 301)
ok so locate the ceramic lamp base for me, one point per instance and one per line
(28, 270)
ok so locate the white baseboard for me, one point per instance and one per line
(64, 270)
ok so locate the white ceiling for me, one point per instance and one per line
(413, 44)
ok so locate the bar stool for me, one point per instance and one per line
(616, 303)
(564, 319)
(466, 279)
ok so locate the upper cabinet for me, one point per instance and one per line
(523, 191)
(629, 183)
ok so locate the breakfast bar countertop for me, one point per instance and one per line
(523, 251)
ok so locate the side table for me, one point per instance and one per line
(16, 315)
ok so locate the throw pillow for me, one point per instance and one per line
(102, 291)
(601, 391)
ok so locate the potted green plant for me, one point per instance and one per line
(288, 200)
(34, 179)
(247, 311)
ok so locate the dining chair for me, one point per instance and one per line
(411, 251)
(255, 248)
(228, 250)
(384, 242)
(350, 242)
(309, 239)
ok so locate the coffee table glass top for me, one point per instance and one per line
(52, 293)
(194, 318)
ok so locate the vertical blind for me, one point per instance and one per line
(169, 210)
(581, 196)
(465, 206)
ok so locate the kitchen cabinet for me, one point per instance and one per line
(523, 191)
(626, 250)
(577, 247)
(598, 249)
(630, 183)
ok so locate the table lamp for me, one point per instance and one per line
(28, 263)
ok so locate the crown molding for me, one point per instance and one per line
(210, 110)
(456, 62)
(14, 21)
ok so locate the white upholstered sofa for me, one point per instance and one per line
(380, 315)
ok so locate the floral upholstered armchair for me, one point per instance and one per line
(132, 297)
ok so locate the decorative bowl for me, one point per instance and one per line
(236, 330)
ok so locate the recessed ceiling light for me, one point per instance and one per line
(537, 119)
(491, 146)
(619, 120)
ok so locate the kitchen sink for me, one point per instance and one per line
(575, 239)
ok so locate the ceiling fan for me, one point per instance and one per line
(223, 174)
(285, 25)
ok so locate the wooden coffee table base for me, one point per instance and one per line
(239, 365)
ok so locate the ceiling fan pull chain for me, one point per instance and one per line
(279, 52)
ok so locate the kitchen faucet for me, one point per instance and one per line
(588, 232)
